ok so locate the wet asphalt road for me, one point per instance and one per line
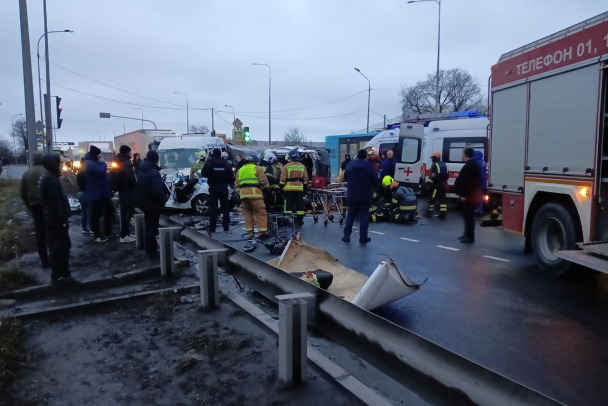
(487, 302)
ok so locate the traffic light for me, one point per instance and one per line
(246, 136)
(59, 119)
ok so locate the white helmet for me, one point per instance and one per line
(201, 155)
(270, 157)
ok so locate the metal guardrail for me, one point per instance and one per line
(436, 374)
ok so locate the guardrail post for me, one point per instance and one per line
(165, 236)
(139, 231)
(207, 262)
(292, 341)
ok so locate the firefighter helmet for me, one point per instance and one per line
(270, 158)
(436, 155)
(201, 155)
(294, 155)
(387, 181)
(252, 158)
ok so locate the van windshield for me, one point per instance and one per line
(178, 158)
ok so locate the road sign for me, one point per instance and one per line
(39, 126)
(237, 123)
(39, 136)
(237, 134)
(104, 115)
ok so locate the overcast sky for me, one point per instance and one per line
(126, 57)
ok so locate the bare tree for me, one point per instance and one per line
(199, 129)
(6, 152)
(457, 91)
(294, 136)
(19, 132)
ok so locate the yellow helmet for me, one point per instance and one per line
(436, 155)
(387, 180)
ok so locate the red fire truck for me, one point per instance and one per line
(549, 146)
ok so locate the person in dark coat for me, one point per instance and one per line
(361, 179)
(136, 163)
(32, 200)
(85, 207)
(152, 194)
(468, 187)
(56, 215)
(125, 183)
(219, 175)
(345, 162)
(387, 167)
(99, 194)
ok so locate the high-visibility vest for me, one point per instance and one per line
(440, 172)
(248, 183)
(293, 177)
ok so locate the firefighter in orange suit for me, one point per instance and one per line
(250, 179)
(294, 179)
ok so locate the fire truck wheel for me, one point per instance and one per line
(200, 204)
(553, 230)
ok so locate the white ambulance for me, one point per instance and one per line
(449, 138)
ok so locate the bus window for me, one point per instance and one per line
(409, 150)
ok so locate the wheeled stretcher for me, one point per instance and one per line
(328, 200)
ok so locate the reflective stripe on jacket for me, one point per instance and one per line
(439, 172)
(294, 177)
(250, 180)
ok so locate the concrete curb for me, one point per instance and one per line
(43, 291)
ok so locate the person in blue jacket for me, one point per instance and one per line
(152, 194)
(361, 179)
(484, 177)
(99, 194)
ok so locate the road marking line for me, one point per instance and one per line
(497, 258)
(377, 232)
(448, 248)
(409, 239)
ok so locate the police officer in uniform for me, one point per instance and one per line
(219, 175)
(436, 183)
(250, 180)
(294, 179)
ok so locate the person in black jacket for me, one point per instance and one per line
(467, 186)
(152, 194)
(124, 184)
(219, 175)
(361, 179)
(56, 213)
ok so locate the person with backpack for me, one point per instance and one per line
(124, 182)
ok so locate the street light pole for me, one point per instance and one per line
(369, 92)
(13, 134)
(438, 50)
(42, 106)
(187, 112)
(233, 115)
(269, 93)
(142, 115)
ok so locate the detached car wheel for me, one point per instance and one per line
(553, 230)
(200, 204)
